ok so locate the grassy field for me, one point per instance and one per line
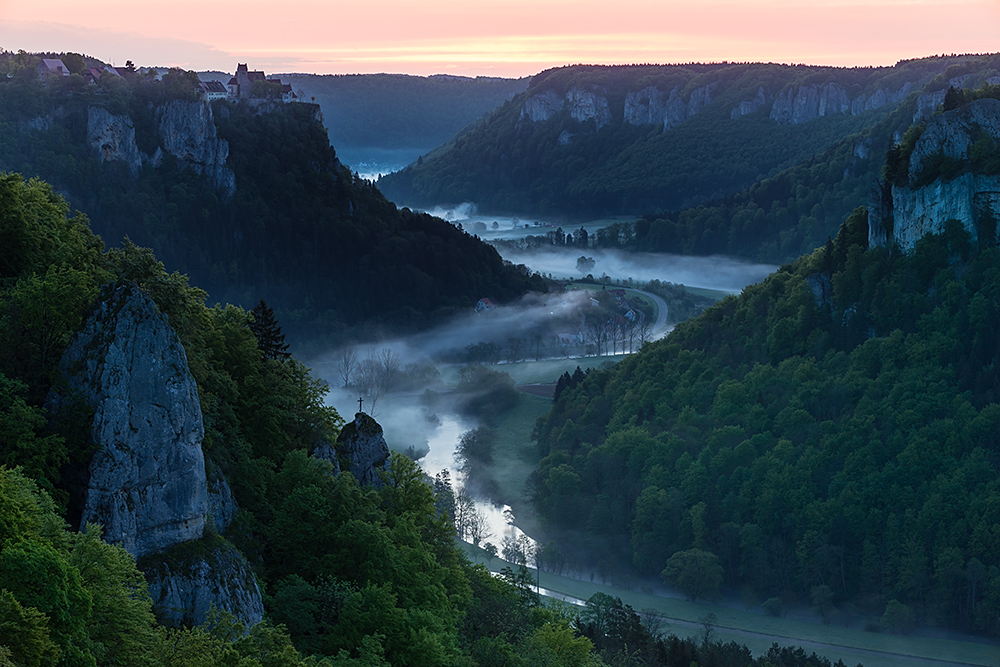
(759, 631)
(514, 454)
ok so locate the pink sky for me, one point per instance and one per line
(496, 37)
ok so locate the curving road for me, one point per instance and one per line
(661, 311)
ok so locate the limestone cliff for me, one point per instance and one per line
(801, 104)
(583, 105)
(113, 137)
(187, 580)
(187, 131)
(541, 107)
(902, 214)
(952, 133)
(645, 107)
(651, 106)
(362, 449)
(587, 105)
(147, 479)
(148, 486)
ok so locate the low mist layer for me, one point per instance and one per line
(714, 272)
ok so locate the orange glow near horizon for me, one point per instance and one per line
(498, 38)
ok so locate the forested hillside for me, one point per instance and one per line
(585, 142)
(354, 576)
(249, 200)
(828, 437)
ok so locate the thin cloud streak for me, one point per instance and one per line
(510, 38)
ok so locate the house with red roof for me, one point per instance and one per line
(485, 304)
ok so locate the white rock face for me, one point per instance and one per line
(927, 209)
(583, 105)
(362, 446)
(586, 105)
(539, 108)
(927, 104)
(806, 103)
(973, 200)
(675, 110)
(187, 131)
(147, 480)
(113, 137)
(645, 107)
(203, 573)
(954, 132)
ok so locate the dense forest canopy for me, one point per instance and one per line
(831, 433)
(300, 231)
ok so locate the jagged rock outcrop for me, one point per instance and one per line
(583, 105)
(801, 104)
(113, 137)
(675, 111)
(927, 104)
(805, 103)
(147, 480)
(953, 133)
(749, 106)
(972, 200)
(645, 107)
(187, 131)
(541, 107)
(587, 105)
(903, 214)
(148, 487)
(186, 581)
(362, 449)
(651, 106)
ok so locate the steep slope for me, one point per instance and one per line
(589, 141)
(827, 437)
(250, 200)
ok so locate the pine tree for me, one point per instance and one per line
(953, 98)
(270, 340)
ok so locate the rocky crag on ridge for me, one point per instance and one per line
(360, 450)
(147, 483)
(941, 182)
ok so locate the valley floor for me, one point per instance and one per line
(758, 631)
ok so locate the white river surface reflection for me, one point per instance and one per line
(443, 442)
